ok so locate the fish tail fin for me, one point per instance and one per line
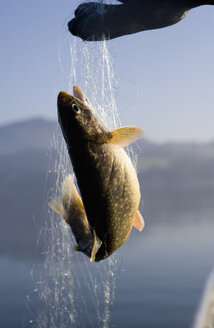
(77, 219)
(67, 187)
(70, 207)
(70, 196)
(70, 202)
(57, 205)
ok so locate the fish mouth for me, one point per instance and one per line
(65, 98)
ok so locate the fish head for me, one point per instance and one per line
(77, 118)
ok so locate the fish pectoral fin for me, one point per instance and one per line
(96, 245)
(138, 221)
(57, 205)
(122, 137)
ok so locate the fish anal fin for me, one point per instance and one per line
(122, 137)
(96, 245)
(138, 221)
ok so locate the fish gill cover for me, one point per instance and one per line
(70, 291)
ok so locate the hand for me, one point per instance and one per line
(92, 21)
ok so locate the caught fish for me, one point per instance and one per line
(101, 218)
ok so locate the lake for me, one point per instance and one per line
(158, 278)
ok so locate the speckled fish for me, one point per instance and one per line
(101, 218)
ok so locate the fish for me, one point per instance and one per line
(96, 21)
(101, 217)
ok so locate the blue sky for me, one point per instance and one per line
(165, 77)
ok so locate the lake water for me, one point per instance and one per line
(160, 276)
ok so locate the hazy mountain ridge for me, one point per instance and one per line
(38, 133)
(176, 177)
(34, 134)
(173, 178)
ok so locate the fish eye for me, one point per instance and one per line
(76, 108)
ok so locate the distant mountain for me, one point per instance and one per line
(24, 164)
(34, 134)
(174, 178)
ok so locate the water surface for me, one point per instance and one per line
(159, 275)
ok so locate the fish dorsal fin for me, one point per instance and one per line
(138, 221)
(122, 137)
(96, 245)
